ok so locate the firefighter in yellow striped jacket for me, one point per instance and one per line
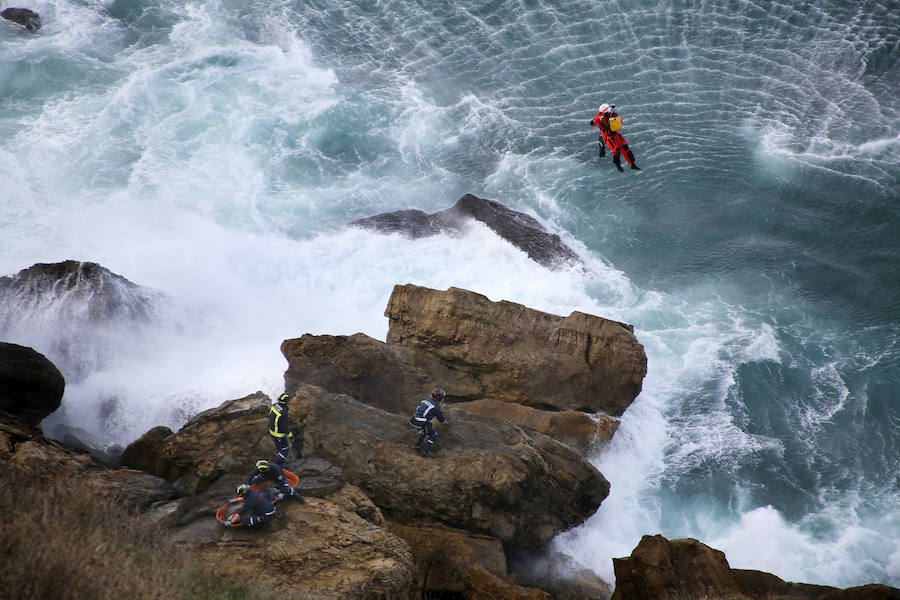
(281, 430)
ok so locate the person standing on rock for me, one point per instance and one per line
(428, 409)
(281, 430)
(257, 509)
(266, 471)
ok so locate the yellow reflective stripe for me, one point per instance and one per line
(276, 434)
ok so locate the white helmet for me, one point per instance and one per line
(604, 108)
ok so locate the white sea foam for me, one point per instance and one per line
(215, 158)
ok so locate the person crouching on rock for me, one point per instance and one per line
(274, 474)
(427, 410)
(281, 430)
(257, 509)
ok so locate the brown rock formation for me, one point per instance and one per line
(509, 352)
(481, 584)
(485, 353)
(661, 569)
(223, 439)
(317, 549)
(582, 431)
(491, 477)
(444, 555)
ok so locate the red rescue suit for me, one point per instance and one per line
(613, 140)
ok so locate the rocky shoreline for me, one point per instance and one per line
(529, 395)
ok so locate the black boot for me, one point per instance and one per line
(631, 162)
(426, 449)
(602, 151)
(618, 163)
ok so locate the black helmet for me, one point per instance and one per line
(284, 398)
(262, 465)
(243, 489)
(438, 394)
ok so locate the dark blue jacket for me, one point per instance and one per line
(428, 410)
(279, 422)
(273, 473)
(256, 503)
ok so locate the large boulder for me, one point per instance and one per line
(444, 555)
(521, 230)
(31, 387)
(481, 584)
(479, 350)
(217, 441)
(583, 431)
(491, 477)
(661, 569)
(664, 569)
(506, 351)
(316, 550)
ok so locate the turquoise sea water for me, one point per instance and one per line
(214, 151)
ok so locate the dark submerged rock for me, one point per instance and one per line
(522, 230)
(27, 18)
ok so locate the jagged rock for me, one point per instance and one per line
(557, 574)
(31, 387)
(664, 569)
(479, 350)
(28, 19)
(765, 585)
(231, 437)
(521, 230)
(143, 453)
(872, 591)
(481, 584)
(582, 431)
(356, 365)
(318, 549)
(55, 299)
(491, 477)
(102, 294)
(506, 351)
(660, 568)
(444, 555)
(141, 491)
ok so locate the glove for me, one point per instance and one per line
(591, 123)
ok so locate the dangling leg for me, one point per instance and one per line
(602, 144)
(617, 160)
(629, 156)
